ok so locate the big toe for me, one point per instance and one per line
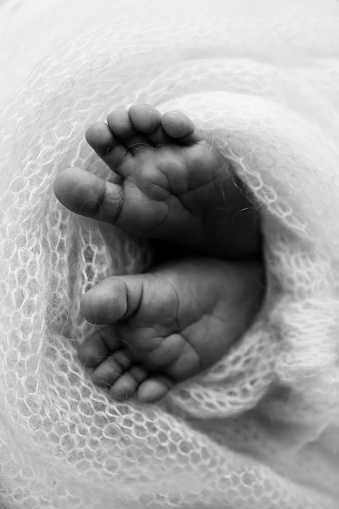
(107, 302)
(79, 191)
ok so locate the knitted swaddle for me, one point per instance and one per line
(258, 430)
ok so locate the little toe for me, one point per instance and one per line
(153, 389)
(179, 126)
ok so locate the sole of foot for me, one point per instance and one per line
(167, 183)
(164, 327)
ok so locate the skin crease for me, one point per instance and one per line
(168, 184)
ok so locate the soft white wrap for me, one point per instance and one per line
(260, 430)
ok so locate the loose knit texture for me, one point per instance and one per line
(260, 429)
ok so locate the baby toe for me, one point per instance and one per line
(154, 389)
(127, 384)
(120, 124)
(109, 149)
(177, 125)
(94, 350)
(144, 117)
(147, 120)
(112, 368)
(107, 372)
(168, 352)
(100, 138)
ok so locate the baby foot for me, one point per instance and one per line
(166, 326)
(172, 184)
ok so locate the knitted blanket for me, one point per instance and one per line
(260, 429)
